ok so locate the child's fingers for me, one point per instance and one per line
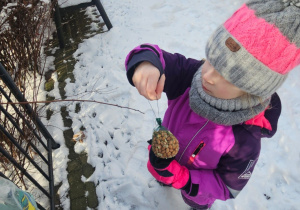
(145, 79)
(140, 82)
(142, 87)
(151, 87)
(160, 86)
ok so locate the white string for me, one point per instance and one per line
(153, 109)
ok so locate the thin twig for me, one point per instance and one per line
(79, 100)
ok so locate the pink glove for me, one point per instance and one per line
(168, 171)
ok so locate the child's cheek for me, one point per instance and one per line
(222, 91)
(225, 93)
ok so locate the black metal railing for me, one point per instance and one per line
(33, 123)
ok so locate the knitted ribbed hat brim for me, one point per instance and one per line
(240, 67)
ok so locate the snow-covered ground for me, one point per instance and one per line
(116, 137)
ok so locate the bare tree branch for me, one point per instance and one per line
(79, 100)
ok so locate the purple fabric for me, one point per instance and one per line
(179, 73)
(149, 47)
(220, 158)
(195, 205)
(218, 140)
(207, 179)
(186, 123)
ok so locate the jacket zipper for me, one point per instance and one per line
(195, 153)
(191, 141)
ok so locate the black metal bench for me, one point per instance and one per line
(57, 18)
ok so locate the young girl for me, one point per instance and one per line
(221, 107)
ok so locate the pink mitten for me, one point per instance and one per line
(168, 171)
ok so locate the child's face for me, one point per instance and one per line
(215, 85)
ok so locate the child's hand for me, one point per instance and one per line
(145, 79)
(168, 171)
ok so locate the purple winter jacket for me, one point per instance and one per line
(220, 158)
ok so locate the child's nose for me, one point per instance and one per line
(208, 76)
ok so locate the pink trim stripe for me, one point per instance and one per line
(260, 120)
(263, 40)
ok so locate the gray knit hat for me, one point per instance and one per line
(258, 45)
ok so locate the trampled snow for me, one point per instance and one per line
(116, 141)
